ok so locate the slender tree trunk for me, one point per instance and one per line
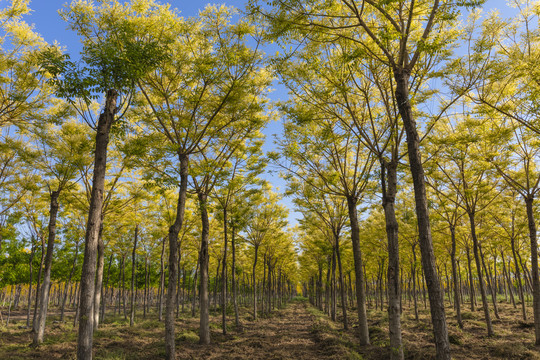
(204, 330)
(254, 283)
(333, 286)
(38, 286)
(124, 301)
(509, 282)
(194, 289)
(170, 349)
(534, 267)
(471, 279)
(133, 271)
(104, 300)
(438, 316)
(44, 294)
(73, 266)
(223, 276)
(161, 279)
(233, 278)
(363, 332)
(28, 310)
(389, 189)
(457, 304)
(342, 287)
(86, 324)
(145, 300)
(99, 275)
(490, 284)
(479, 272)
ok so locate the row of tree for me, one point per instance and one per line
(172, 155)
(374, 85)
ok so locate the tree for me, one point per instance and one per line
(220, 73)
(57, 154)
(113, 59)
(402, 36)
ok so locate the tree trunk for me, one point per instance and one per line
(254, 283)
(86, 323)
(99, 276)
(342, 287)
(44, 294)
(363, 332)
(479, 273)
(471, 280)
(194, 289)
(534, 267)
(204, 330)
(103, 304)
(457, 304)
(509, 282)
(223, 276)
(28, 310)
(38, 286)
(133, 271)
(333, 286)
(161, 279)
(490, 284)
(233, 278)
(170, 349)
(389, 189)
(73, 266)
(438, 316)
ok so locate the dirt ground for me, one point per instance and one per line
(298, 331)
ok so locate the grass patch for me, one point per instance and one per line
(189, 336)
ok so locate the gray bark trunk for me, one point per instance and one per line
(534, 267)
(170, 349)
(204, 330)
(389, 189)
(363, 332)
(133, 271)
(88, 275)
(438, 316)
(45, 287)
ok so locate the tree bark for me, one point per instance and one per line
(438, 316)
(73, 266)
(99, 275)
(204, 330)
(133, 271)
(223, 276)
(103, 302)
(233, 278)
(363, 332)
(254, 284)
(28, 310)
(480, 276)
(342, 287)
(86, 323)
(534, 267)
(457, 304)
(45, 287)
(170, 349)
(161, 279)
(38, 285)
(389, 189)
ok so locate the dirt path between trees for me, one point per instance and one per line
(290, 333)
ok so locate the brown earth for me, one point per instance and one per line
(290, 333)
(298, 331)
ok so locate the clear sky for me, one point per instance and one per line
(48, 23)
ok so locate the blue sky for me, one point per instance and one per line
(48, 23)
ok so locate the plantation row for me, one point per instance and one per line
(132, 175)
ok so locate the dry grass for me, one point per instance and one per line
(297, 332)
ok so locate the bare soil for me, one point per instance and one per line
(299, 331)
